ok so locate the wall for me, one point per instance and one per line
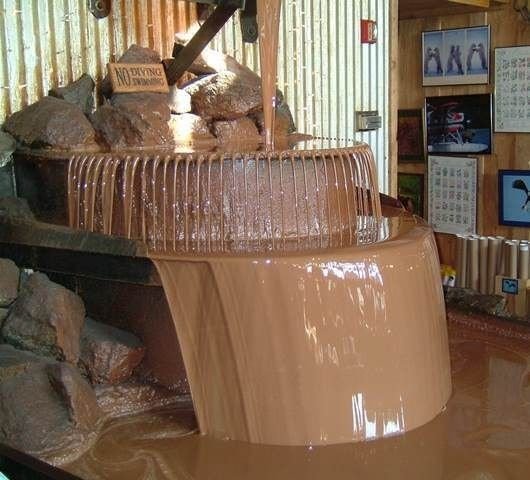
(48, 43)
(509, 150)
(324, 71)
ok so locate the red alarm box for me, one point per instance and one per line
(368, 31)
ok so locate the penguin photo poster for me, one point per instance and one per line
(514, 198)
(459, 56)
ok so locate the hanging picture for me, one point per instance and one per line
(452, 194)
(410, 192)
(514, 198)
(458, 124)
(512, 95)
(456, 57)
(410, 136)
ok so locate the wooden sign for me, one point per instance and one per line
(138, 77)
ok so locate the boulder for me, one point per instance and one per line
(4, 312)
(76, 393)
(134, 120)
(211, 61)
(16, 208)
(189, 127)
(224, 96)
(133, 396)
(13, 362)
(108, 354)
(283, 124)
(46, 408)
(51, 122)
(79, 93)
(46, 319)
(179, 101)
(240, 130)
(9, 280)
(134, 54)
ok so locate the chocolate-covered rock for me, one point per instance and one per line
(76, 393)
(79, 93)
(224, 96)
(134, 120)
(46, 408)
(189, 127)
(179, 101)
(51, 122)
(283, 124)
(108, 354)
(9, 279)
(211, 61)
(240, 130)
(134, 54)
(14, 362)
(45, 319)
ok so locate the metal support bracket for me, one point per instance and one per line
(196, 45)
(100, 8)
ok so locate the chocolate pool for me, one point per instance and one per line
(306, 313)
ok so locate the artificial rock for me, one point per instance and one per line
(134, 120)
(9, 280)
(240, 130)
(224, 96)
(189, 127)
(45, 319)
(79, 93)
(108, 354)
(179, 101)
(51, 122)
(46, 408)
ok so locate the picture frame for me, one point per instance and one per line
(512, 98)
(452, 194)
(459, 124)
(514, 201)
(411, 192)
(410, 136)
(458, 56)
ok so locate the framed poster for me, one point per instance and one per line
(512, 95)
(410, 192)
(411, 142)
(459, 124)
(514, 198)
(452, 194)
(456, 57)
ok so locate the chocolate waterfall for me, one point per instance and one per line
(215, 202)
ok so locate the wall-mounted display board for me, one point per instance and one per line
(410, 192)
(512, 89)
(452, 194)
(411, 141)
(459, 124)
(514, 198)
(456, 57)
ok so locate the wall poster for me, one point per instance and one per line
(452, 190)
(512, 89)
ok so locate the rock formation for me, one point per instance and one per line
(221, 90)
(46, 319)
(51, 122)
(79, 93)
(61, 375)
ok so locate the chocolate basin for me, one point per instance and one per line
(305, 317)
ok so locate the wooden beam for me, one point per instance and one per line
(474, 3)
